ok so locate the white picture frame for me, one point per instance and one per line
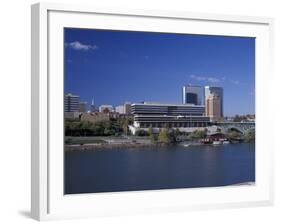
(48, 201)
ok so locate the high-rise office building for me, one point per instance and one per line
(213, 107)
(192, 94)
(217, 91)
(71, 103)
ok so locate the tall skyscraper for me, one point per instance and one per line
(217, 91)
(71, 103)
(213, 107)
(192, 94)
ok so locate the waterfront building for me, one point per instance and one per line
(186, 117)
(192, 94)
(82, 107)
(218, 91)
(213, 107)
(120, 109)
(106, 108)
(127, 108)
(71, 103)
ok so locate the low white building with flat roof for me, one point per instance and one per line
(185, 117)
(120, 109)
(105, 108)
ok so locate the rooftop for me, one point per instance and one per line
(167, 104)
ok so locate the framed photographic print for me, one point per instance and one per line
(148, 111)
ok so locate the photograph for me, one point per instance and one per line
(157, 111)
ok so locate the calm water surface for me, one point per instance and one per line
(158, 168)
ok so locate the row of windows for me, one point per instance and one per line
(168, 108)
(74, 104)
(172, 119)
(173, 124)
(71, 108)
(179, 112)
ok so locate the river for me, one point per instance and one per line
(112, 170)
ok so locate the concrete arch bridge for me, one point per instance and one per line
(242, 127)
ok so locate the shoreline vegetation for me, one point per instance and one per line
(105, 146)
(129, 142)
(115, 134)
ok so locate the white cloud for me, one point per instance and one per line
(236, 82)
(205, 78)
(214, 79)
(76, 45)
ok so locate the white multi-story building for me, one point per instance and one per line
(120, 109)
(185, 117)
(105, 108)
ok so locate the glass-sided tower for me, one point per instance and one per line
(211, 90)
(192, 94)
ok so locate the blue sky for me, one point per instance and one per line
(119, 66)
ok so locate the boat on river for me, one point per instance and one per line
(217, 142)
(186, 145)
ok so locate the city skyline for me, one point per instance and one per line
(115, 67)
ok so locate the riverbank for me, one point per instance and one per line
(130, 145)
(95, 146)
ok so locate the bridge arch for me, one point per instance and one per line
(234, 128)
(242, 127)
(250, 129)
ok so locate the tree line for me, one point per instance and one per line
(116, 127)
(112, 127)
(167, 135)
(170, 135)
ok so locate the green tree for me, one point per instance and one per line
(164, 136)
(177, 133)
(125, 125)
(234, 135)
(250, 136)
(141, 132)
(153, 136)
(150, 132)
(84, 126)
(69, 127)
(197, 134)
(174, 134)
